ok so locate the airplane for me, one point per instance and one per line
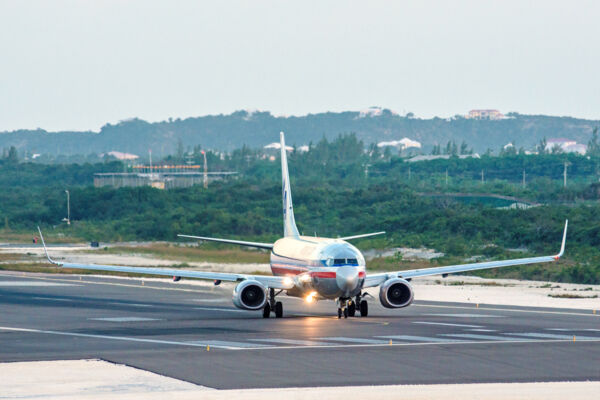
(313, 268)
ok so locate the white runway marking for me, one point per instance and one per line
(482, 330)
(88, 335)
(222, 344)
(124, 319)
(33, 283)
(446, 324)
(118, 303)
(353, 340)
(480, 337)
(467, 315)
(218, 309)
(253, 347)
(211, 300)
(51, 299)
(553, 336)
(426, 339)
(293, 341)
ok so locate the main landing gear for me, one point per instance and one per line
(348, 307)
(273, 306)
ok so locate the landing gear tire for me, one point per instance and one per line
(278, 310)
(364, 308)
(267, 311)
(346, 312)
(339, 313)
(352, 309)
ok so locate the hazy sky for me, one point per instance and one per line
(80, 64)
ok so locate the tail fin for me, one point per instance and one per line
(289, 223)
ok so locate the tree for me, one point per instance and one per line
(593, 145)
(541, 147)
(12, 157)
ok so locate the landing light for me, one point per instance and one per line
(311, 297)
(288, 281)
(305, 278)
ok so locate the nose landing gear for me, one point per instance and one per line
(348, 307)
(273, 305)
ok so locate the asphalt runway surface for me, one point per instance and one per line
(194, 333)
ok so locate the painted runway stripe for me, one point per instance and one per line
(573, 329)
(481, 337)
(218, 309)
(118, 303)
(51, 299)
(222, 344)
(353, 340)
(409, 338)
(482, 330)
(447, 324)
(575, 313)
(89, 335)
(552, 336)
(33, 283)
(467, 315)
(124, 319)
(294, 347)
(292, 341)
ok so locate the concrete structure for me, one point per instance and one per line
(159, 177)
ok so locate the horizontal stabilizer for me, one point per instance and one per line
(364, 235)
(230, 241)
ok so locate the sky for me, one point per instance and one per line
(79, 64)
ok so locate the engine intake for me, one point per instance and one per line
(396, 293)
(250, 295)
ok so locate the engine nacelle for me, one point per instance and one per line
(250, 295)
(396, 293)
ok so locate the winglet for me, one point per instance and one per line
(564, 241)
(45, 249)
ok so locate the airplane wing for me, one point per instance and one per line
(378, 279)
(231, 241)
(274, 282)
(364, 235)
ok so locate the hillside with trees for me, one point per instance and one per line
(256, 129)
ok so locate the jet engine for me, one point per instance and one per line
(250, 295)
(396, 293)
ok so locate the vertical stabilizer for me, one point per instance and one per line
(289, 224)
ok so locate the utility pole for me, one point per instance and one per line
(446, 176)
(68, 207)
(523, 178)
(565, 174)
(205, 170)
(482, 179)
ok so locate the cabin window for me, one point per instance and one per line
(352, 261)
(338, 261)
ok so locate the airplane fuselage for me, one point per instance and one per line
(332, 268)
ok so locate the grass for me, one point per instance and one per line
(193, 253)
(462, 283)
(10, 236)
(51, 269)
(572, 296)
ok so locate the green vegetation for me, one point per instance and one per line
(194, 254)
(334, 196)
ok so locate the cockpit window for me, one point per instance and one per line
(352, 261)
(338, 261)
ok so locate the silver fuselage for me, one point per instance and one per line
(331, 267)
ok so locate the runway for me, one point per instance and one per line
(194, 333)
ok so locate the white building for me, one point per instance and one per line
(567, 145)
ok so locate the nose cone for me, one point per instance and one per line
(347, 279)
